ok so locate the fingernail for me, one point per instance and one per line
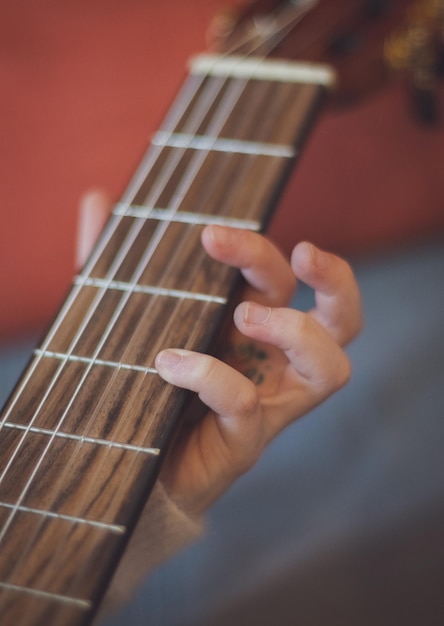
(318, 258)
(221, 235)
(169, 359)
(256, 314)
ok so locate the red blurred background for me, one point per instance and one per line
(84, 84)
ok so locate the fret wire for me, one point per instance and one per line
(62, 418)
(206, 100)
(224, 117)
(232, 97)
(187, 93)
(222, 144)
(113, 528)
(158, 235)
(196, 332)
(149, 290)
(85, 439)
(226, 106)
(171, 122)
(74, 358)
(150, 248)
(130, 241)
(186, 217)
(9, 520)
(57, 597)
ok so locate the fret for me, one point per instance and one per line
(56, 597)
(154, 291)
(74, 473)
(183, 100)
(215, 186)
(29, 607)
(278, 106)
(262, 69)
(222, 144)
(114, 528)
(146, 325)
(124, 411)
(83, 439)
(75, 358)
(71, 568)
(44, 475)
(178, 264)
(237, 185)
(181, 216)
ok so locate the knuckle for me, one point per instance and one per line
(208, 369)
(302, 323)
(247, 402)
(343, 371)
(335, 376)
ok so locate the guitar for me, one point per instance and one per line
(350, 36)
(75, 473)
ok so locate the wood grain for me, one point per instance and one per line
(81, 435)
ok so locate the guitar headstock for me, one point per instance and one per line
(367, 41)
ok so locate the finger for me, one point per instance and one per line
(231, 396)
(313, 354)
(261, 263)
(93, 211)
(338, 302)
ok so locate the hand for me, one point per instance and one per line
(295, 361)
(278, 363)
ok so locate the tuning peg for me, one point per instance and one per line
(414, 50)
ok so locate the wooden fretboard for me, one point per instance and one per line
(83, 432)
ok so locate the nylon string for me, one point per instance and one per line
(169, 125)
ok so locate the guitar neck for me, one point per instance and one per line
(83, 434)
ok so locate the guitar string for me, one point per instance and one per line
(135, 460)
(196, 327)
(169, 124)
(196, 163)
(90, 263)
(24, 552)
(147, 163)
(141, 265)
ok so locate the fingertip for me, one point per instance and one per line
(95, 200)
(94, 207)
(169, 360)
(307, 255)
(239, 315)
(207, 237)
(320, 260)
(217, 238)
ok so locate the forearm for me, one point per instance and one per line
(162, 531)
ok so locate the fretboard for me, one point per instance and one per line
(83, 433)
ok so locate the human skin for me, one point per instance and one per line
(276, 363)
